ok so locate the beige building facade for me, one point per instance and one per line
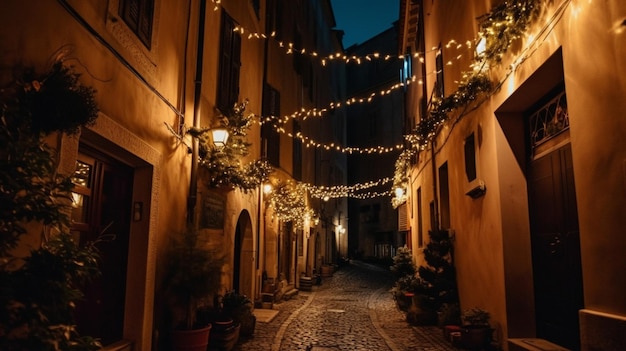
(154, 80)
(529, 177)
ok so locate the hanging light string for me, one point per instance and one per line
(311, 143)
(291, 49)
(340, 191)
(504, 24)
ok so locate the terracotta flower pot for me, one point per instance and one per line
(191, 340)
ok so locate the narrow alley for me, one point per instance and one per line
(352, 310)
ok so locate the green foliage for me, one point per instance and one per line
(476, 316)
(409, 283)
(38, 292)
(403, 264)
(40, 297)
(500, 27)
(400, 176)
(439, 275)
(505, 23)
(30, 188)
(53, 102)
(224, 165)
(288, 202)
(237, 306)
(193, 274)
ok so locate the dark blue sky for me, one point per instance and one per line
(363, 19)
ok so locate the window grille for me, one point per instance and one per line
(548, 121)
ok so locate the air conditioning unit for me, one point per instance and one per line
(476, 189)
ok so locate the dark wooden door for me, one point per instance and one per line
(103, 190)
(555, 247)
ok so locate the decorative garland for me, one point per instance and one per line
(504, 24)
(224, 164)
(401, 179)
(288, 201)
(499, 28)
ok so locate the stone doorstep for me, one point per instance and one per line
(533, 344)
(290, 293)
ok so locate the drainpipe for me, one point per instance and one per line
(193, 183)
(435, 194)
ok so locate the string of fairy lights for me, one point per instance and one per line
(498, 29)
(353, 191)
(311, 143)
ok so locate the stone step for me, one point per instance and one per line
(533, 344)
(290, 293)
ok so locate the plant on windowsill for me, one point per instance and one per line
(42, 268)
(475, 331)
(223, 164)
(192, 276)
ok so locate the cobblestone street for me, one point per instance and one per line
(352, 310)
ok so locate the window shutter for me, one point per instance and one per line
(403, 218)
(145, 22)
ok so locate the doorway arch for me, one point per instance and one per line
(244, 256)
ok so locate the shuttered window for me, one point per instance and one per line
(230, 64)
(138, 16)
(270, 139)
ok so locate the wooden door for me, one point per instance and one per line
(555, 247)
(102, 193)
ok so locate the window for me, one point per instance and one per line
(439, 88)
(406, 72)
(270, 139)
(420, 225)
(470, 157)
(230, 64)
(444, 196)
(274, 18)
(256, 5)
(548, 120)
(138, 16)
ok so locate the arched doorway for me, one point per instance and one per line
(244, 256)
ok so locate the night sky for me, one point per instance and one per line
(363, 19)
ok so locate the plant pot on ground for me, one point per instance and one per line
(422, 311)
(225, 330)
(475, 331)
(193, 274)
(239, 307)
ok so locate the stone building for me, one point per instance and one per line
(159, 68)
(528, 174)
(373, 222)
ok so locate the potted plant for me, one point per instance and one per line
(406, 284)
(42, 267)
(403, 291)
(193, 275)
(239, 307)
(225, 330)
(475, 331)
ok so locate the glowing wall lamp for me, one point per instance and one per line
(220, 137)
(399, 192)
(481, 47)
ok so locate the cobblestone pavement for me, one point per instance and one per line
(352, 310)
